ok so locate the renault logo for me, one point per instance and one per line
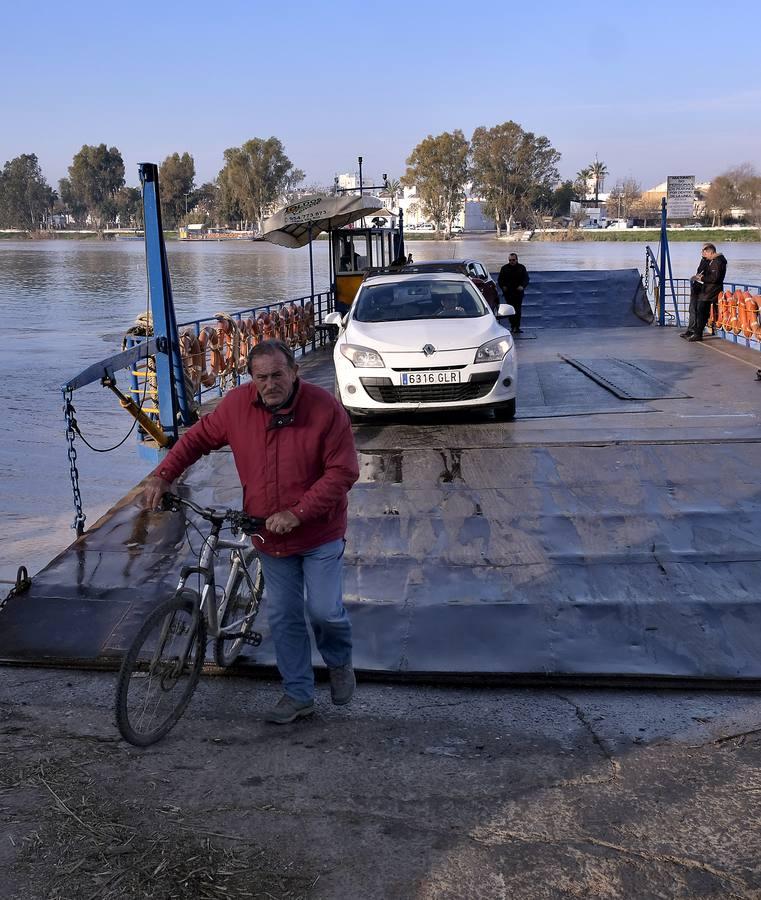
(429, 349)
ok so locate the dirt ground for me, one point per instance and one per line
(411, 792)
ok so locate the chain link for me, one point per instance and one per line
(23, 583)
(71, 431)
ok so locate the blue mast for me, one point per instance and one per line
(172, 398)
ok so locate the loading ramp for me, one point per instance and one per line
(600, 536)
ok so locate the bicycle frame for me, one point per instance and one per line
(205, 568)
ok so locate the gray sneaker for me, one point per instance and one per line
(342, 684)
(287, 710)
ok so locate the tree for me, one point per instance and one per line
(392, 191)
(176, 183)
(646, 208)
(622, 198)
(25, 195)
(254, 178)
(559, 202)
(129, 207)
(512, 169)
(721, 197)
(597, 171)
(95, 176)
(737, 188)
(206, 205)
(581, 184)
(72, 204)
(438, 168)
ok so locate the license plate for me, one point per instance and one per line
(444, 376)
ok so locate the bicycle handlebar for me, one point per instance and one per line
(237, 518)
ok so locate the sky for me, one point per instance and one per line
(650, 88)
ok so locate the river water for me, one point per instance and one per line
(67, 303)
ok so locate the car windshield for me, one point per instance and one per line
(418, 299)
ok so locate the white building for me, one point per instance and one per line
(471, 217)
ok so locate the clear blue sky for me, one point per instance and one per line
(653, 88)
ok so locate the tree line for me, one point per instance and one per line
(253, 179)
(512, 170)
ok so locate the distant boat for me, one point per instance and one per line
(200, 232)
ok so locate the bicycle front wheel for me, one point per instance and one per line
(243, 594)
(161, 669)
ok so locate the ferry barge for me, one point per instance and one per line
(611, 533)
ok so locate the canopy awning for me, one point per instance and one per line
(293, 225)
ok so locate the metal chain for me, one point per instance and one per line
(23, 583)
(71, 431)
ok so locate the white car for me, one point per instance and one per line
(423, 342)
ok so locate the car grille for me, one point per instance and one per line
(383, 391)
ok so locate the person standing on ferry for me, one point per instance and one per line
(513, 280)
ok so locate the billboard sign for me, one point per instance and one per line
(680, 196)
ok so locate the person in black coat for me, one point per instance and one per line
(696, 286)
(513, 279)
(712, 284)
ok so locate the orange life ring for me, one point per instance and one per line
(212, 361)
(193, 359)
(309, 315)
(726, 318)
(302, 327)
(268, 330)
(738, 312)
(294, 319)
(752, 305)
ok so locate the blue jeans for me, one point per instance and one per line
(319, 573)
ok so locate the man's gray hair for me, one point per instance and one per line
(711, 247)
(271, 348)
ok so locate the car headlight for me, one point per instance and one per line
(494, 351)
(362, 357)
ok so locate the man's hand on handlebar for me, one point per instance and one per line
(154, 490)
(282, 522)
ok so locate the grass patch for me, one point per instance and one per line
(650, 235)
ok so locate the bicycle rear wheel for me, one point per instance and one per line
(243, 594)
(161, 669)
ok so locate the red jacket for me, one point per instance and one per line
(301, 458)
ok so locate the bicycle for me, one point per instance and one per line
(161, 668)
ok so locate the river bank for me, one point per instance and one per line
(630, 235)
(651, 235)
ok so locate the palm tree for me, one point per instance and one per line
(392, 190)
(598, 170)
(582, 182)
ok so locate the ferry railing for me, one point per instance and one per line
(677, 305)
(143, 376)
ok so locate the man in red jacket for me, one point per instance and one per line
(294, 451)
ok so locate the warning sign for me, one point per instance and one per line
(680, 196)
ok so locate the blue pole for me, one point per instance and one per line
(170, 378)
(664, 251)
(666, 265)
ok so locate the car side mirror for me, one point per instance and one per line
(504, 310)
(334, 318)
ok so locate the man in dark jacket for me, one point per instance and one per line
(696, 286)
(513, 279)
(294, 451)
(712, 284)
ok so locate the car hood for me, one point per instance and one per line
(444, 334)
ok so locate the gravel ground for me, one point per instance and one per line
(410, 792)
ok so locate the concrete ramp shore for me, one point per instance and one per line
(612, 531)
